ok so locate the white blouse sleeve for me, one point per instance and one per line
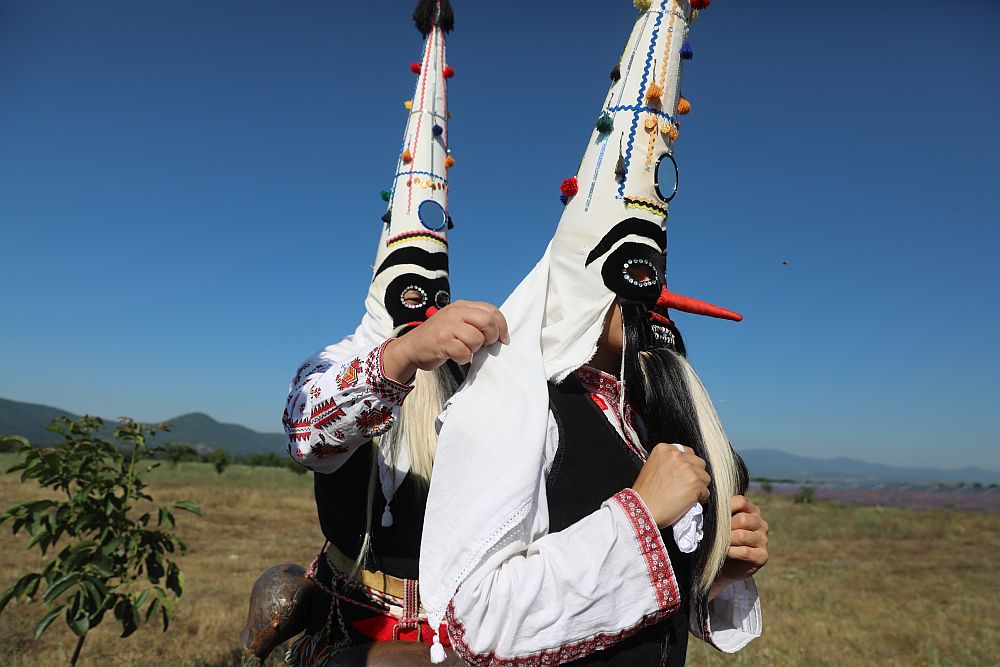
(733, 618)
(336, 405)
(570, 593)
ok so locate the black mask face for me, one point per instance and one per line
(436, 294)
(634, 271)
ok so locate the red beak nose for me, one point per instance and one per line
(431, 311)
(687, 304)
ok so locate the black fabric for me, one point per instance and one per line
(340, 502)
(592, 463)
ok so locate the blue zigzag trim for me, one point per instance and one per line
(638, 102)
(641, 109)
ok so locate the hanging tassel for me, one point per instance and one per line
(605, 123)
(616, 73)
(654, 93)
(620, 165)
(415, 68)
(387, 217)
(437, 130)
(449, 162)
(408, 104)
(675, 132)
(427, 15)
(700, 4)
(451, 225)
(683, 106)
(686, 52)
(642, 5)
(387, 517)
(448, 71)
(385, 196)
(564, 199)
(406, 157)
(437, 651)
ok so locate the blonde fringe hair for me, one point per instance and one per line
(721, 462)
(415, 426)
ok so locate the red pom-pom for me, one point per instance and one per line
(415, 68)
(700, 4)
(449, 71)
(569, 187)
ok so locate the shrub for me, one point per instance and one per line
(111, 560)
(806, 495)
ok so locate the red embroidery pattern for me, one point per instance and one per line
(554, 656)
(605, 390)
(325, 412)
(387, 389)
(315, 391)
(348, 376)
(374, 421)
(661, 574)
(299, 431)
(322, 449)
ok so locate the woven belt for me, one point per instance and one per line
(380, 581)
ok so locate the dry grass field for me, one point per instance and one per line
(846, 585)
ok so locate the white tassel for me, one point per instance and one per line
(387, 517)
(437, 651)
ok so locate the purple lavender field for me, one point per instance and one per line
(912, 497)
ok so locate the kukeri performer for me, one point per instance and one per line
(361, 412)
(556, 468)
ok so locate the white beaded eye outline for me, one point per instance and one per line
(442, 299)
(416, 288)
(639, 283)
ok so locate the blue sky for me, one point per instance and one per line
(189, 200)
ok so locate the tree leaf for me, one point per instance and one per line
(189, 506)
(59, 587)
(44, 624)
(166, 618)
(151, 610)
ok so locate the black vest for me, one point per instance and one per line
(591, 464)
(340, 501)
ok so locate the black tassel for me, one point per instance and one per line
(387, 217)
(616, 73)
(451, 225)
(426, 15)
(620, 167)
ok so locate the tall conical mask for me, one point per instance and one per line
(410, 275)
(611, 239)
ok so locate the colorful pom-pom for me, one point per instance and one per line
(700, 4)
(642, 5)
(687, 53)
(406, 157)
(448, 72)
(415, 68)
(675, 132)
(437, 130)
(666, 127)
(616, 73)
(653, 93)
(683, 106)
(570, 187)
(386, 195)
(408, 104)
(449, 162)
(605, 123)
(650, 122)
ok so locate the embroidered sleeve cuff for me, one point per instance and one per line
(733, 619)
(652, 549)
(387, 389)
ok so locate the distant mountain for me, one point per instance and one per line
(29, 420)
(775, 464)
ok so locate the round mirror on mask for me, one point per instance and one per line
(432, 215)
(666, 178)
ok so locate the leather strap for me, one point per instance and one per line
(378, 580)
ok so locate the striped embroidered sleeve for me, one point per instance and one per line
(572, 593)
(335, 406)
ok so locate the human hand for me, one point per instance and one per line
(747, 546)
(455, 332)
(670, 482)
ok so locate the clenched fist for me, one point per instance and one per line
(455, 332)
(670, 482)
